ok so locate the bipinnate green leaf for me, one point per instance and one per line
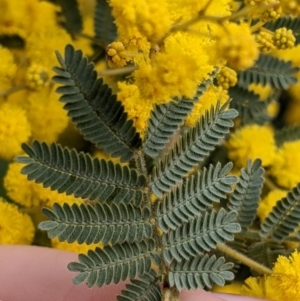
(85, 223)
(113, 264)
(104, 25)
(287, 21)
(284, 217)
(194, 146)
(266, 253)
(166, 119)
(287, 134)
(79, 174)
(200, 272)
(246, 195)
(195, 195)
(93, 108)
(144, 289)
(72, 16)
(269, 70)
(251, 109)
(201, 234)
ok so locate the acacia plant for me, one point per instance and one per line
(154, 215)
(170, 214)
(159, 213)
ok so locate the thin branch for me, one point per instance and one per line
(13, 90)
(245, 260)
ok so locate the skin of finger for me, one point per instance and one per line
(31, 273)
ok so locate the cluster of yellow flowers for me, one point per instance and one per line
(283, 284)
(29, 109)
(172, 46)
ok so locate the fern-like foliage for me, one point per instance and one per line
(289, 22)
(174, 232)
(251, 109)
(115, 223)
(113, 264)
(144, 289)
(197, 193)
(266, 253)
(201, 234)
(247, 193)
(67, 171)
(104, 26)
(269, 70)
(287, 134)
(200, 272)
(92, 106)
(72, 16)
(193, 147)
(284, 217)
(166, 119)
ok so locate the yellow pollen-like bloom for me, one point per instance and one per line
(273, 12)
(252, 141)
(290, 7)
(14, 130)
(8, 68)
(264, 41)
(283, 38)
(283, 284)
(286, 164)
(116, 55)
(184, 10)
(268, 202)
(15, 227)
(148, 18)
(37, 77)
(166, 78)
(209, 98)
(137, 108)
(30, 194)
(261, 287)
(286, 276)
(227, 78)
(41, 46)
(237, 46)
(19, 189)
(46, 114)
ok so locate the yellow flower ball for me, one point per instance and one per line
(286, 276)
(261, 287)
(290, 7)
(137, 108)
(148, 18)
(46, 115)
(15, 227)
(14, 130)
(286, 165)
(19, 189)
(238, 46)
(252, 141)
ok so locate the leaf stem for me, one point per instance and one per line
(244, 259)
(117, 71)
